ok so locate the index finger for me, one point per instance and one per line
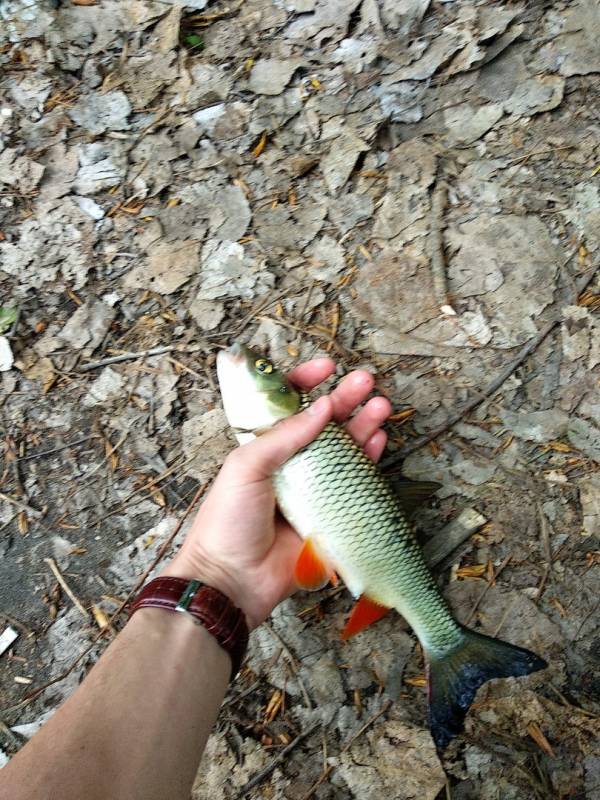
(312, 373)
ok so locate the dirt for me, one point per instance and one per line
(411, 187)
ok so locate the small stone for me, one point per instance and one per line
(536, 426)
(89, 207)
(326, 259)
(207, 314)
(467, 123)
(169, 266)
(6, 355)
(88, 326)
(474, 473)
(585, 436)
(205, 443)
(536, 95)
(589, 497)
(98, 113)
(19, 171)
(106, 387)
(338, 164)
(270, 76)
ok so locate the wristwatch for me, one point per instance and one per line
(207, 606)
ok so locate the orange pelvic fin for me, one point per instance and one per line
(312, 572)
(364, 613)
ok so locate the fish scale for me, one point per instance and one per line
(333, 493)
(337, 499)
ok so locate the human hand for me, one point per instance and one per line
(237, 543)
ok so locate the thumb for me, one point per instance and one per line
(261, 457)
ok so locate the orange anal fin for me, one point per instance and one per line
(364, 613)
(311, 571)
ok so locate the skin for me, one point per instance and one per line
(137, 726)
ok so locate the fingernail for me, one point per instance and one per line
(362, 377)
(317, 408)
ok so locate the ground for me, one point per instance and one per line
(409, 186)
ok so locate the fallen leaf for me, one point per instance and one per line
(260, 145)
(534, 730)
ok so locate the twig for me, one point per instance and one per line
(487, 588)
(231, 700)
(491, 388)
(567, 703)
(262, 305)
(293, 662)
(17, 624)
(298, 338)
(21, 505)
(58, 449)
(107, 455)
(66, 588)
(547, 550)
(436, 247)
(154, 351)
(14, 740)
(329, 769)
(345, 351)
(452, 535)
(37, 692)
(151, 483)
(185, 368)
(538, 153)
(504, 616)
(264, 773)
(585, 620)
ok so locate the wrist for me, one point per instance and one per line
(201, 605)
(209, 574)
(174, 629)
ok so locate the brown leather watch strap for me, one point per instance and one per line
(208, 606)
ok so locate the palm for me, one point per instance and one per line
(238, 528)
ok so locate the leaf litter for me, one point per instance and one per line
(175, 175)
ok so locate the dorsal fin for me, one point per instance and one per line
(413, 494)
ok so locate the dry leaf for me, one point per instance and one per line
(261, 144)
(419, 681)
(101, 617)
(274, 705)
(472, 571)
(402, 416)
(534, 730)
(23, 523)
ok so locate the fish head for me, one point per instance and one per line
(255, 393)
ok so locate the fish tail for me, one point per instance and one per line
(455, 677)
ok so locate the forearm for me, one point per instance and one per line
(137, 726)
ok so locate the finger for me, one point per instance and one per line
(351, 392)
(375, 445)
(307, 376)
(371, 416)
(261, 457)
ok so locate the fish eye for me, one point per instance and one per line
(262, 365)
(284, 390)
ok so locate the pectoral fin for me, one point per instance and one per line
(312, 571)
(413, 494)
(364, 613)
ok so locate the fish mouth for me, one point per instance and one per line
(233, 355)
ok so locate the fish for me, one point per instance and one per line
(355, 526)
